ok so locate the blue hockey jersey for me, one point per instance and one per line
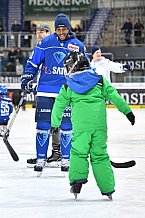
(50, 53)
(6, 109)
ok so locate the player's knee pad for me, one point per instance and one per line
(65, 142)
(42, 142)
(43, 125)
(66, 126)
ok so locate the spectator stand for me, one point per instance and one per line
(97, 26)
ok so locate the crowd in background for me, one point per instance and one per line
(13, 60)
(30, 28)
(128, 28)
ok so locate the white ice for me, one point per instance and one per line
(23, 195)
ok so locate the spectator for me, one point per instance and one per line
(19, 54)
(138, 27)
(25, 58)
(33, 27)
(10, 69)
(127, 28)
(78, 31)
(12, 55)
(19, 68)
(4, 62)
(1, 28)
(16, 27)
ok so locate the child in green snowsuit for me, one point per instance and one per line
(87, 92)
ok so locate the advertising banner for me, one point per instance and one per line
(42, 7)
(132, 96)
(133, 93)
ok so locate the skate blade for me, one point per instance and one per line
(110, 197)
(76, 195)
(38, 174)
(64, 174)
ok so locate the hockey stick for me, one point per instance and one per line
(127, 164)
(6, 134)
(10, 149)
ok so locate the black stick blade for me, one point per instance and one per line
(124, 164)
(10, 149)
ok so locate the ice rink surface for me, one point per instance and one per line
(24, 195)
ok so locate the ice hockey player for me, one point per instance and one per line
(104, 66)
(6, 109)
(87, 91)
(50, 52)
(43, 30)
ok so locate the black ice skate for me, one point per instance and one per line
(76, 186)
(109, 195)
(64, 165)
(64, 168)
(54, 159)
(39, 166)
(76, 189)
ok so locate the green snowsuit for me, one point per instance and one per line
(89, 131)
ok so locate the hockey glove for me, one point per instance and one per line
(130, 116)
(127, 67)
(27, 83)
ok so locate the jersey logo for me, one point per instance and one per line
(59, 56)
(73, 47)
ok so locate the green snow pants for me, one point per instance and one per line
(91, 142)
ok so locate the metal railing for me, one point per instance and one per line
(17, 39)
(27, 41)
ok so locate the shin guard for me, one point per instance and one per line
(65, 143)
(42, 142)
